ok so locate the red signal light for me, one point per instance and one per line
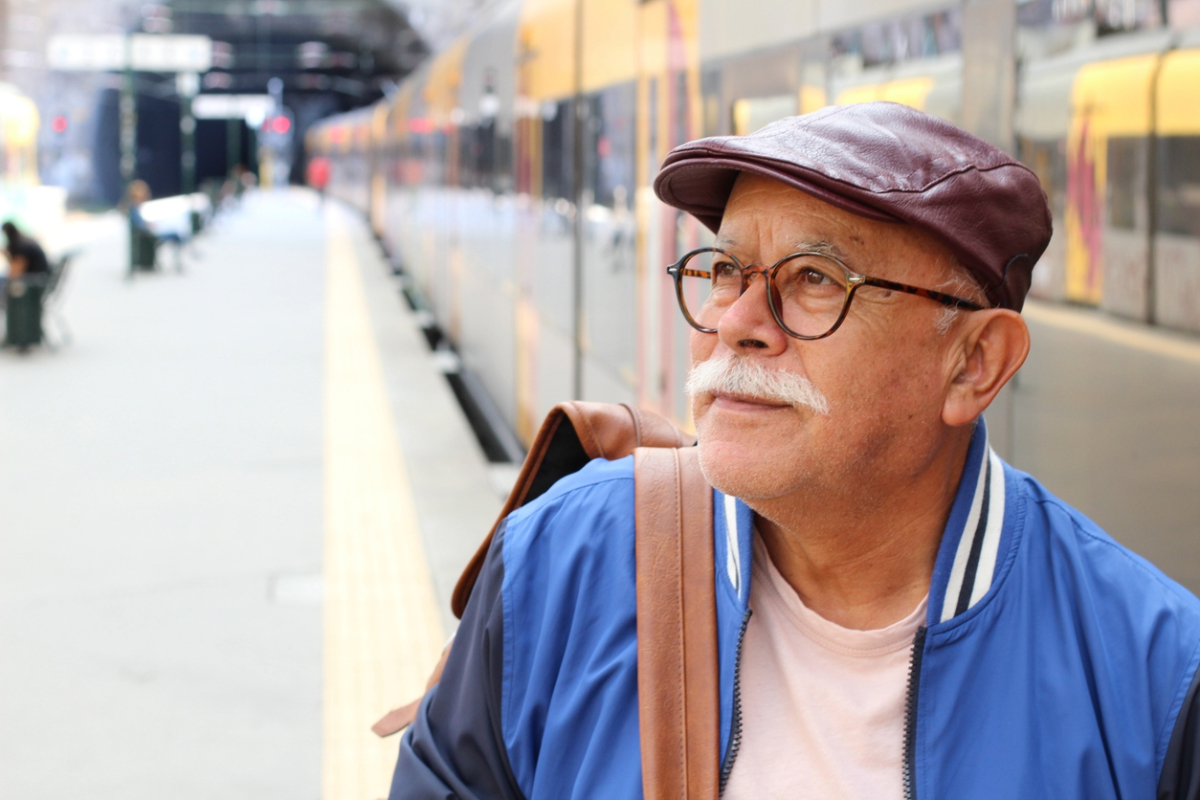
(276, 125)
(59, 124)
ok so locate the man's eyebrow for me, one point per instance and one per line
(822, 246)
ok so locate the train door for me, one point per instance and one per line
(608, 328)
(1041, 124)
(441, 94)
(1108, 214)
(378, 158)
(546, 209)
(397, 177)
(669, 114)
(1176, 295)
(486, 340)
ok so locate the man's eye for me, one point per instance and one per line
(813, 277)
(724, 270)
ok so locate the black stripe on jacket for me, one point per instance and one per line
(1180, 779)
(455, 748)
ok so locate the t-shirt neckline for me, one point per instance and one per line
(828, 634)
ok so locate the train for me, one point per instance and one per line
(510, 175)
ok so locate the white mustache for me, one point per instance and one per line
(742, 376)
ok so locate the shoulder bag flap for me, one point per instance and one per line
(593, 430)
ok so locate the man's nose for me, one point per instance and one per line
(748, 323)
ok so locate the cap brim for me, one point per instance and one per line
(701, 187)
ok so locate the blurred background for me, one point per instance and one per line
(312, 272)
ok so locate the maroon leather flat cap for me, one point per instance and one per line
(888, 162)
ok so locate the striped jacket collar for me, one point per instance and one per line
(969, 557)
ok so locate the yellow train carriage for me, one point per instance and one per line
(1133, 167)
(512, 172)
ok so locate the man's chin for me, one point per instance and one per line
(744, 467)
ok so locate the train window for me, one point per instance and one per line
(710, 98)
(502, 172)
(652, 127)
(610, 145)
(1126, 181)
(679, 106)
(901, 39)
(1048, 160)
(477, 153)
(557, 153)
(1179, 185)
(485, 151)
(435, 145)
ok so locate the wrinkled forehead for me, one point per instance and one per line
(764, 214)
(766, 220)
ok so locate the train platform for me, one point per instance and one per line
(234, 504)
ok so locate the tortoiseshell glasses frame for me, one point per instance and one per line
(852, 282)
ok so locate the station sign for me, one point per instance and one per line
(145, 52)
(254, 108)
(86, 53)
(149, 52)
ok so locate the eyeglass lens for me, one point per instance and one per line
(808, 291)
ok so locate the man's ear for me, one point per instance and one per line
(992, 346)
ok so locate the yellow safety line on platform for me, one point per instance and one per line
(1130, 334)
(383, 634)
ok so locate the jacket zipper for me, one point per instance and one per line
(910, 717)
(735, 721)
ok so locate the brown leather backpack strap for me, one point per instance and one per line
(678, 687)
(572, 434)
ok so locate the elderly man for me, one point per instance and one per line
(900, 614)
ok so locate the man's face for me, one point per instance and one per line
(884, 372)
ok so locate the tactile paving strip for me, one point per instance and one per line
(383, 633)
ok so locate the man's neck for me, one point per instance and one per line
(863, 562)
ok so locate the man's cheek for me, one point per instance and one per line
(700, 346)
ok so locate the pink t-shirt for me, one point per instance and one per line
(822, 705)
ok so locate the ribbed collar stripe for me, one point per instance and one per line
(733, 555)
(975, 559)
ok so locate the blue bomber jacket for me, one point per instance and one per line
(1054, 663)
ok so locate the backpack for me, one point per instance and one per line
(678, 688)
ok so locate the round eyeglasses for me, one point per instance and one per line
(809, 293)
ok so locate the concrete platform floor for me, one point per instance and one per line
(164, 496)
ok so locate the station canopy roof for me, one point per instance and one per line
(350, 47)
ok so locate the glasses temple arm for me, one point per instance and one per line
(940, 297)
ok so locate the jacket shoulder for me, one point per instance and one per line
(1126, 577)
(584, 511)
(1142, 625)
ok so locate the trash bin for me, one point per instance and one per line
(142, 245)
(23, 314)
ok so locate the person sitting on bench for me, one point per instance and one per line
(28, 275)
(139, 193)
(25, 256)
